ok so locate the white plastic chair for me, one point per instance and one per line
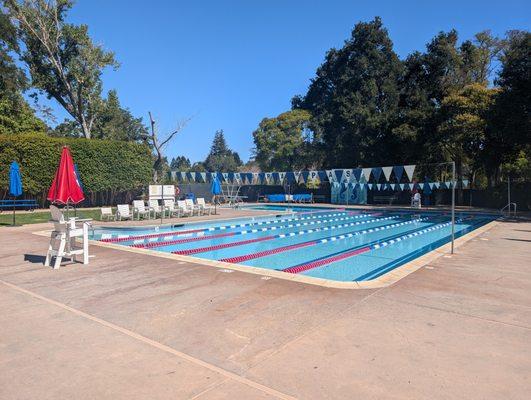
(154, 206)
(169, 206)
(194, 209)
(63, 241)
(123, 212)
(107, 214)
(181, 204)
(140, 208)
(203, 206)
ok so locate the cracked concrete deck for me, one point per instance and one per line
(136, 326)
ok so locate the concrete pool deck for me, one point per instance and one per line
(136, 326)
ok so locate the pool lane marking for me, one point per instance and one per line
(252, 256)
(397, 262)
(127, 238)
(153, 244)
(282, 235)
(296, 269)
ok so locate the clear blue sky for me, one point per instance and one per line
(231, 63)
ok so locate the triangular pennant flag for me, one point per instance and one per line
(398, 170)
(387, 172)
(347, 175)
(297, 175)
(225, 176)
(421, 186)
(323, 176)
(357, 174)
(173, 175)
(379, 186)
(411, 186)
(366, 173)
(281, 176)
(370, 186)
(376, 173)
(448, 184)
(437, 185)
(401, 186)
(410, 169)
(330, 176)
(338, 175)
(274, 177)
(237, 177)
(304, 176)
(268, 177)
(465, 183)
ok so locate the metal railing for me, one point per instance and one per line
(507, 211)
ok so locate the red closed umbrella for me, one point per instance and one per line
(65, 187)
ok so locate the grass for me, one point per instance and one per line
(24, 218)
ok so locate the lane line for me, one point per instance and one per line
(155, 344)
(252, 256)
(280, 235)
(153, 244)
(296, 269)
(128, 238)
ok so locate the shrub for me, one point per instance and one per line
(105, 166)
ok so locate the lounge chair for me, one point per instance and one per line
(181, 204)
(140, 208)
(169, 206)
(203, 206)
(154, 206)
(195, 209)
(107, 214)
(123, 212)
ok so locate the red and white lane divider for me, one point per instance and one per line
(271, 237)
(127, 238)
(153, 244)
(354, 252)
(252, 256)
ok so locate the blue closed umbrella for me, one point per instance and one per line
(215, 188)
(15, 183)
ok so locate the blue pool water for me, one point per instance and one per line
(336, 244)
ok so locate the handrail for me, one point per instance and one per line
(509, 207)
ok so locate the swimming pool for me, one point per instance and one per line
(335, 244)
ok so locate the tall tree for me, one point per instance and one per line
(354, 97)
(16, 115)
(61, 58)
(159, 143)
(284, 143)
(463, 129)
(180, 163)
(221, 158)
(511, 133)
(117, 123)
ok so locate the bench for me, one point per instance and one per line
(30, 205)
(384, 199)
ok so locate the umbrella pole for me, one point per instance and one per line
(14, 198)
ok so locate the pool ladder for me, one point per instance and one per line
(509, 210)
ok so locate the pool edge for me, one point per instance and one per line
(384, 280)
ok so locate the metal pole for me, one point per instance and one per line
(509, 192)
(453, 205)
(163, 208)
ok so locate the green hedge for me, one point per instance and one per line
(104, 165)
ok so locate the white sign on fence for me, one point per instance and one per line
(156, 192)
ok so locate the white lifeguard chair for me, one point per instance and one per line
(416, 201)
(64, 238)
